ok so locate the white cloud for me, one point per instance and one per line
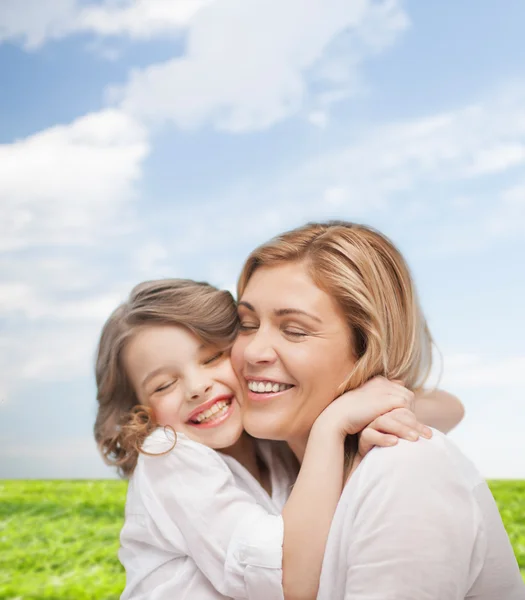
(69, 458)
(66, 193)
(492, 431)
(34, 22)
(248, 64)
(61, 185)
(470, 371)
(50, 352)
(395, 170)
(319, 118)
(140, 18)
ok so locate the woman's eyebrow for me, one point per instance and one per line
(281, 312)
(295, 311)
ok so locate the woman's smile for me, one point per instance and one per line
(265, 388)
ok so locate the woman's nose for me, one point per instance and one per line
(259, 349)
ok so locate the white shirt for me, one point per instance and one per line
(198, 526)
(416, 521)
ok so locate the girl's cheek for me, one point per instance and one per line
(236, 357)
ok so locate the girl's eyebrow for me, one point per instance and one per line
(280, 312)
(152, 374)
(246, 304)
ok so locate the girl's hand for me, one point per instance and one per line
(355, 410)
(388, 428)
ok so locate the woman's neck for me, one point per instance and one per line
(298, 447)
(245, 453)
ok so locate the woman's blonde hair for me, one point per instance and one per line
(122, 423)
(369, 279)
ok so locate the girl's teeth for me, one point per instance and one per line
(219, 407)
(275, 387)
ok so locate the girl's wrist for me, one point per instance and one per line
(328, 428)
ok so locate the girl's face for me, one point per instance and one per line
(189, 385)
(292, 354)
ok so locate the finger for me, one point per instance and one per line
(407, 417)
(370, 438)
(389, 425)
(406, 396)
(397, 384)
(423, 430)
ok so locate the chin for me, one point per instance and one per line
(225, 439)
(263, 428)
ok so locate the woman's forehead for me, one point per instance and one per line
(284, 287)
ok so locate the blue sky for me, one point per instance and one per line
(156, 138)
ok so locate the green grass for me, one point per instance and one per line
(59, 539)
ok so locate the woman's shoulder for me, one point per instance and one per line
(437, 458)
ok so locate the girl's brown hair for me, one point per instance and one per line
(121, 423)
(368, 277)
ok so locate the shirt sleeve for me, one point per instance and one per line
(414, 529)
(234, 541)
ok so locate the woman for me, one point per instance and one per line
(323, 309)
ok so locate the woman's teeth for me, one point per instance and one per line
(217, 410)
(265, 387)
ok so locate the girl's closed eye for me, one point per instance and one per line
(214, 358)
(164, 386)
(247, 326)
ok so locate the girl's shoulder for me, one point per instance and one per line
(174, 446)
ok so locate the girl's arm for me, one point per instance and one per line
(196, 505)
(439, 409)
(309, 511)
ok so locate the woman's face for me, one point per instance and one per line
(189, 385)
(292, 354)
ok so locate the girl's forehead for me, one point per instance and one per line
(158, 342)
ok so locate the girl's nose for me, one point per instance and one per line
(199, 389)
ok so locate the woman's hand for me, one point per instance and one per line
(356, 410)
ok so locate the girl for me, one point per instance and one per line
(203, 524)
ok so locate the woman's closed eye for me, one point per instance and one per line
(294, 333)
(247, 326)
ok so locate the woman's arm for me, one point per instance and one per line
(439, 409)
